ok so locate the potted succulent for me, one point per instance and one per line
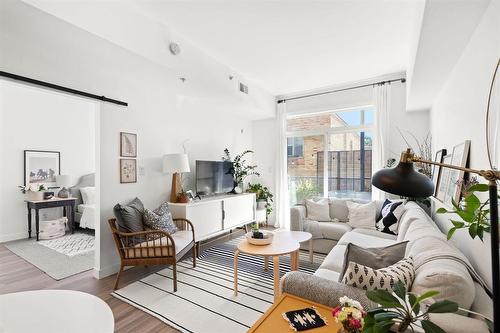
(240, 169)
(33, 192)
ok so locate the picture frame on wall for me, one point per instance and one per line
(128, 170)
(128, 144)
(41, 167)
(443, 181)
(460, 158)
(436, 170)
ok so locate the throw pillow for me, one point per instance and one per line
(375, 257)
(362, 215)
(160, 219)
(130, 216)
(88, 195)
(318, 210)
(390, 214)
(364, 277)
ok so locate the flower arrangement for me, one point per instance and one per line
(32, 188)
(350, 314)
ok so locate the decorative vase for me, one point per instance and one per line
(34, 196)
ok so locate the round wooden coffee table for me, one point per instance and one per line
(299, 236)
(280, 246)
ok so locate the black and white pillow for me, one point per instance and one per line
(160, 219)
(389, 217)
(364, 277)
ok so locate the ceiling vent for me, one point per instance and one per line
(244, 88)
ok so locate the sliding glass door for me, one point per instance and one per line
(329, 154)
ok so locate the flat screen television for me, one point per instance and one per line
(213, 177)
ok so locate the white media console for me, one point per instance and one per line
(215, 215)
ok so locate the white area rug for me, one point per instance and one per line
(71, 244)
(204, 301)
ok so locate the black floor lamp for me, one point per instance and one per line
(404, 180)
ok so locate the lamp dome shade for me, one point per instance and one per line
(403, 180)
(173, 163)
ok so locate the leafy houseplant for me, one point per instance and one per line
(240, 168)
(473, 212)
(402, 311)
(33, 192)
(262, 193)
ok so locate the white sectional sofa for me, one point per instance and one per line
(438, 264)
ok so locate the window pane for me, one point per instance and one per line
(350, 165)
(305, 170)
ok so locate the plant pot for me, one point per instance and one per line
(261, 204)
(183, 199)
(34, 196)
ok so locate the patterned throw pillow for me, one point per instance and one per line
(160, 219)
(389, 217)
(364, 277)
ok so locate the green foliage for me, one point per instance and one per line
(402, 310)
(475, 214)
(262, 193)
(305, 189)
(240, 169)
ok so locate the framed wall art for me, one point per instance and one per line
(436, 169)
(460, 157)
(128, 144)
(41, 167)
(128, 170)
(443, 180)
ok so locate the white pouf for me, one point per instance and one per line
(53, 229)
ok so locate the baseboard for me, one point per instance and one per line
(12, 237)
(107, 271)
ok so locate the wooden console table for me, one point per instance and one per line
(66, 203)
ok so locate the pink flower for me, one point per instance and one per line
(336, 310)
(355, 323)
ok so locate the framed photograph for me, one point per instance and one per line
(128, 170)
(128, 144)
(436, 169)
(443, 181)
(41, 167)
(460, 157)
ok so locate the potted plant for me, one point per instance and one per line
(350, 314)
(33, 192)
(263, 196)
(240, 169)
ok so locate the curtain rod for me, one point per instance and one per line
(61, 88)
(403, 80)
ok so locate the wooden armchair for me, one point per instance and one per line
(154, 247)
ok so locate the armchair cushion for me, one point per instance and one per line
(130, 216)
(160, 219)
(159, 247)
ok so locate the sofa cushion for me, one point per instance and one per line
(413, 212)
(362, 215)
(376, 233)
(339, 210)
(335, 259)
(440, 266)
(318, 210)
(145, 250)
(130, 216)
(334, 230)
(390, 214)
(364, 277)
(362, 239)
(373, 257)
(327, 274)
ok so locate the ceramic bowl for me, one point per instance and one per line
(268, 238)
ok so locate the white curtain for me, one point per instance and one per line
(382, 101)
(282, 201)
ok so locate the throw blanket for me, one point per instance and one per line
(87, 220)
(314, 229)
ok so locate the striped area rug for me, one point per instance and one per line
(204, 301)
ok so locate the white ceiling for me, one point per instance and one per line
(296, 45)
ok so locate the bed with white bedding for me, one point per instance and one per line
(84, 192)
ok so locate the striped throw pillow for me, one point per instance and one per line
(364, 277)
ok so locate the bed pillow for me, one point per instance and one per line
(318, 210)
(160, 219)
(88, 195)
(390, 214)
(362, 215)
(364, 277)
(130, 216)
(374, 257)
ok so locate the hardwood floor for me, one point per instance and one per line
(16, 274)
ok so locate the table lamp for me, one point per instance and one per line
(404, 180)
(175, 164)
(63, 181)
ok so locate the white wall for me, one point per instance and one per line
(459, 114)
(37, 119)
(162, 110)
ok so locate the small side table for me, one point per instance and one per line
(68, 205)
(272, 320)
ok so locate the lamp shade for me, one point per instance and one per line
(173, 163)
(403, 180)
(63, 180)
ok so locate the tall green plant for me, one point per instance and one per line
(240, 168)
(262, 193)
